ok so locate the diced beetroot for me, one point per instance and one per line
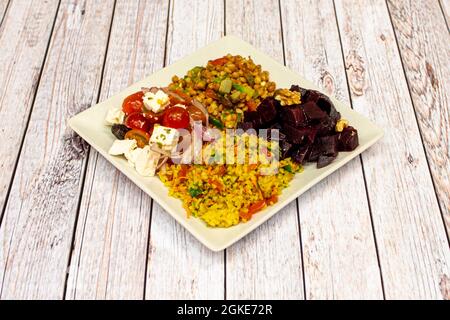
(285, 148)
(316, 151)
(254, 117)
(268, 110)
(313, 112)
(293, 115)
(245, 125)
(348, 139)
(301, 154)
(329, 145)
(324, 160)
(297, 135)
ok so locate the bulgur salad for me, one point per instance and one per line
(224, 139)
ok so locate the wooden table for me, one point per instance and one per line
(73, 227)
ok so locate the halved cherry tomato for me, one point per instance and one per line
(196, 114)
(219, 61)
(153, 117)
(133, 103)
(176, 117)
(138, 121)
(140, 136)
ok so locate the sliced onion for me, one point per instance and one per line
(154, 147)
(202, 108)
(152, 89)
(161, 162)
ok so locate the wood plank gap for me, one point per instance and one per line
(224, 17)
(361, 160)
(427, 156)
(83, 177)
(4, 13)
(29, 116)
(443, 13)
(305, 297)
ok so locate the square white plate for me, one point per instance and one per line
(90, 125)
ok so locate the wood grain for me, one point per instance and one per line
(410, 235)
(266, 264)
(445, 5)
(112, 233)
(37, 230)
(24, 36)
(424, 47)
(179, 267)
(3, 6)
(340, 258)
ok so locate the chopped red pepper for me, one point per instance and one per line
(219, 61)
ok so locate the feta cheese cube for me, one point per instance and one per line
(114, 116)
(120, 147)
(155, 102)
(164, 137)
(147, 161)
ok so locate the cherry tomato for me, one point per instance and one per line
(176, 117)
(153, 117)
(140, 136)
(196, 114)
(133, 103)
(219, 61)
(138, 121)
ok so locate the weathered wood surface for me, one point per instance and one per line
(110, 249)
(410, 234)
(180, 267)
(339, 254)
(36, 232)
(445, 5)
(3, 6)
(66, 210)
(424, 44)
(24, 35)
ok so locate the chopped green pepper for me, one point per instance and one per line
(288, 168)
(216, 122)
(250, 79)
(247, 90)
(195, 192)
(225, 86)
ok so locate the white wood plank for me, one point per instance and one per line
(112, 234)
(267, 264)
(37, 229)
(411, 237)
(24, 36)
(179, 267)
(340, 259)
(424, 47)
(445, 5)
(3, 6)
